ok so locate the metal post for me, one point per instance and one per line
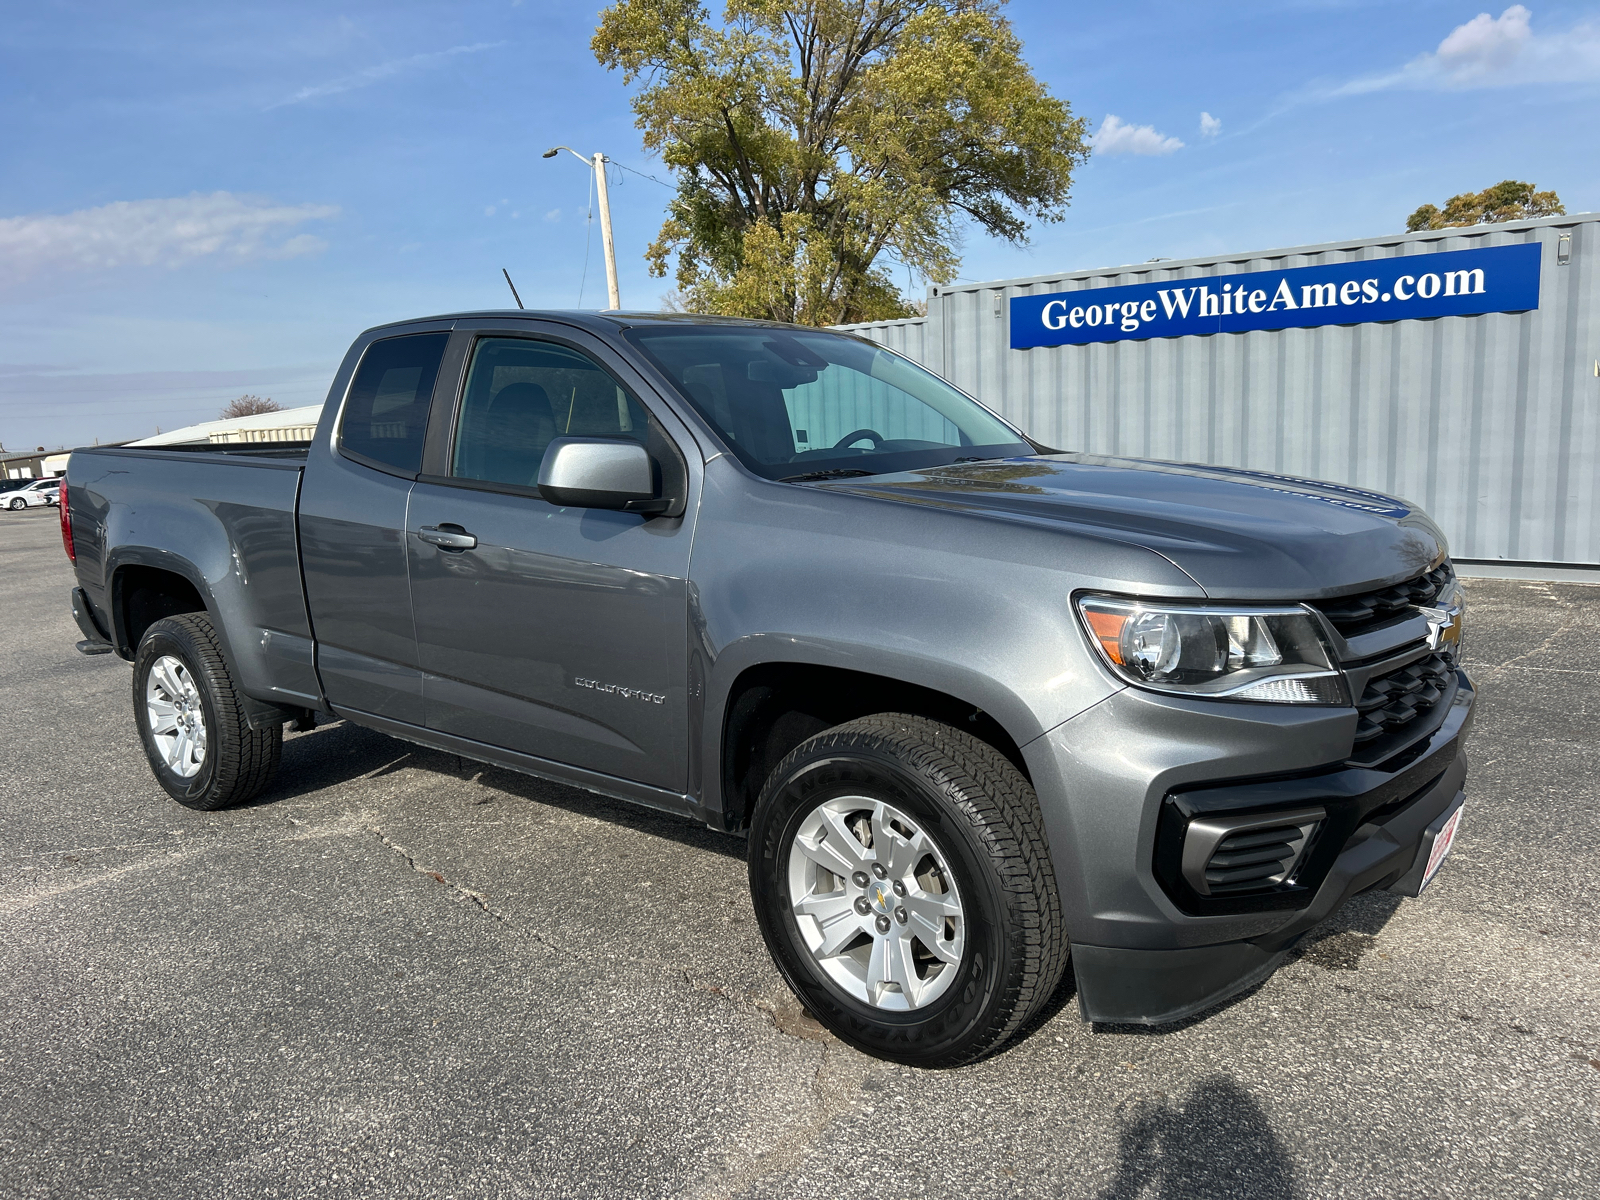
(605, 230)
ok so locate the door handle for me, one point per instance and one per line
(447, 537)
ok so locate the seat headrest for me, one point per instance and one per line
(517, 399)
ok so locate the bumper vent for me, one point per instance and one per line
(1227, 855)
(1398, 698)
(1353, 615)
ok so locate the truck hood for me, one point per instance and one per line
(1243, 535)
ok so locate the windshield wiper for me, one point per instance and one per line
(836, 473)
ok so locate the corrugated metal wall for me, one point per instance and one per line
(1491, 423)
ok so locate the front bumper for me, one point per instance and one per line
(1145, 949)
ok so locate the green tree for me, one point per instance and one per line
(1507, 200)
(820, 143)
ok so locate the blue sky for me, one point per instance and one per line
(201, 200)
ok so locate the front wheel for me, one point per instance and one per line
(191, 721)
(18, 504)
(903, 883)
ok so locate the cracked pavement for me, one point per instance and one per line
(405, 974)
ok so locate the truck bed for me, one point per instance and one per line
(221, 517)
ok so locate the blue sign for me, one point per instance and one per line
(1445, 284)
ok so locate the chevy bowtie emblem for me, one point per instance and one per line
(1444, 626)
(880, 896)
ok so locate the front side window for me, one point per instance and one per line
(520, 395)
(386, 413)
(796, 402)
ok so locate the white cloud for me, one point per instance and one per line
(1209, 126)
(1116, 136)
(371, 75)
(158, 233)
(1495, 52)
(553, 215)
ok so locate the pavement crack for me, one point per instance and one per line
(788, 1016)
(12, 905)
(1492, 670)
(463, 893)
(831, 1097)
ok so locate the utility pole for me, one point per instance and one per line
(598, 164)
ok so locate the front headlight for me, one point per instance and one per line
(1275, 655)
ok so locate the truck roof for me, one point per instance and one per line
(607, 320)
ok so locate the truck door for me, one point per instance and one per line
(555, 632)
(352, 528)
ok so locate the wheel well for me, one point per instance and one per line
(774, 707)
(141, 596)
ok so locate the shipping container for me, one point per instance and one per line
(1488, 421)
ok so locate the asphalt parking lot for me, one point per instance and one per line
(403, 974)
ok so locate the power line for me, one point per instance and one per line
(588, 237)
(642, 175)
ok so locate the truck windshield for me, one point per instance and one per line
(798, 404)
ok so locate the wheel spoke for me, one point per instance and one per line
(162, 722)
(934, 943)
(932, 907)
(891, 964)
(846, 838)
(883, 838)
(826, 854)
(839, 933)
(898, 854)
(171, 686)
(823, 905)
(905, 855)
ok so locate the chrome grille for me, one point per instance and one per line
(1398, 698)
(1353, 615)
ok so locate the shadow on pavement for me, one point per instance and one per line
(340, 752)
(1216, 1143)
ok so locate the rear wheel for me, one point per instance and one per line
(903, 883)
(191, 721)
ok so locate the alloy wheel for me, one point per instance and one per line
(177, 719)
(875, 902)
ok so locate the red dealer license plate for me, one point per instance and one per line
(1441, 849)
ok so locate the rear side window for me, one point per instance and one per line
(386, 414)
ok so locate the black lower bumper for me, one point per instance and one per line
(1120, 985)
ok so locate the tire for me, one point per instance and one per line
(225, 762)
(981, 974)
(18, 504)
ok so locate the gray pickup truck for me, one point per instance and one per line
(984, 710)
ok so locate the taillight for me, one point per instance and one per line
(66, 523)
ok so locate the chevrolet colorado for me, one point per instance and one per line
(986, 712)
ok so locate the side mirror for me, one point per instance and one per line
(592, 472)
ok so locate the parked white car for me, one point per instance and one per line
(18, 494)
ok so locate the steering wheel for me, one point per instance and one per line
(877, 439)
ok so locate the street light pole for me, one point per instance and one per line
(598, 164)
(605, 230)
